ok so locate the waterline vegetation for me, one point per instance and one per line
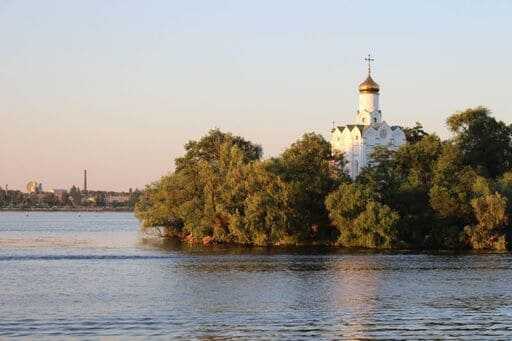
(428, 194)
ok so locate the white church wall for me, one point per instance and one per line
(398, 137)
(368, 102)
(347, 140)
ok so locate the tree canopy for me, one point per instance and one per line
(484, 142)
(428, 193)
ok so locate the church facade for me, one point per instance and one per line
(357, 141)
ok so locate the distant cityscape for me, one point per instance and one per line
(37, 198)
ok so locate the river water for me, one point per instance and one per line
(90, 275)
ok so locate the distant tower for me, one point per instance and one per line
(85, 180)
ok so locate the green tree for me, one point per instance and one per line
(268, 211)
(362, 221)
(414, 165)
(415, 162)
(484, 142)
(381, 176)
(228, 198)
(504, 186)
(491, 231)
(306, 167)
(450, 194)
(191, 198)
(415, 134)
(159, 204)
(75, 195)
(347, 202)
(375, 227)
(208, 149)
(3, 197)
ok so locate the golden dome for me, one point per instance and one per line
(369, 85)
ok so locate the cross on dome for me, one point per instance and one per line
(369, 59)
(369, 85)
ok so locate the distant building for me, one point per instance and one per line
(117, 198)
(60, 194)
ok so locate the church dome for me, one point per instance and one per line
(369, 85)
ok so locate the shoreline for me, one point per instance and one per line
(66, 209)
(170, 243)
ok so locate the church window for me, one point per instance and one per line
(375, 120)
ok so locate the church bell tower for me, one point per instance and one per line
(369, 112)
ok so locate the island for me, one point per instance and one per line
(428, 193)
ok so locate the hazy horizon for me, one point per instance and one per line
(117, 87)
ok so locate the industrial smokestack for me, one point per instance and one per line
(85, 180)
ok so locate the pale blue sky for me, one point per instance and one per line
(119, 86)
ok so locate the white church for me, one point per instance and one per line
(357, 141)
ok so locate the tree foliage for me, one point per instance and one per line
(222, 191)
(491, 229)
(306, 168)
(208, 149)
(415, 134)
(428, 193)
(362, 220)
(484, 142)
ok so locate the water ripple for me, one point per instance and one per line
(88, 277)
(82, 257)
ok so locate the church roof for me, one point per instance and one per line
(361, 127)
(369, 85)
(350, 127)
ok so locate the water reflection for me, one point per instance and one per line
(361, 295)
(356, 289)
